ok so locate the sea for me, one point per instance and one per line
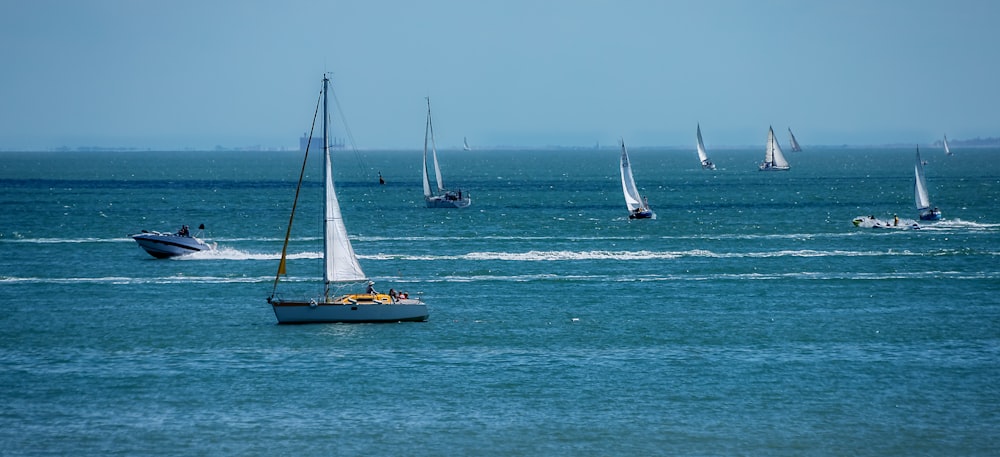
(750, 317)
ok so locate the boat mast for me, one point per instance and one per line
(327, 255)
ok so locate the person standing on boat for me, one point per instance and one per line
(184, 231)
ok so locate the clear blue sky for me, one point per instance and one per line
(195, 73)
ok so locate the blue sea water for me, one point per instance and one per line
(749, 318)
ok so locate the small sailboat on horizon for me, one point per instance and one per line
(341, 268)
(793, 141)
(921, 197)
(774, 160)
(947, 150)
(702, 154)
(638, 206)
(443, 198)
(465, 144)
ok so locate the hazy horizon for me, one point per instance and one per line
(187, 74)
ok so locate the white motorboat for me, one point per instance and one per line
(165, 245)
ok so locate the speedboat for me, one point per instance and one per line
(165, 245)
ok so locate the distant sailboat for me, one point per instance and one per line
(443, 198)
(702, 155)
(774, 160)
(795, 143)
(638, 207)
(921, 196)
(947, 150)
(340, 267)
(465, 144)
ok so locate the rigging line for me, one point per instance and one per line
(360, 160)
(362, 164)
(295, 202)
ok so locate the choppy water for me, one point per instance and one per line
(749, 318)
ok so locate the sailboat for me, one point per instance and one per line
(920, 194)
(947, 150)
(702, 155)
(465, 144)
(774, 160)
(444, 198)
(340, 267)
(638, 207)
(795, 143)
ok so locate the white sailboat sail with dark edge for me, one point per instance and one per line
(774, 160)
(341, 269)
(443, 198)
(638, 207)
(793, 141)
(702, 154)
(947, 150)
(921, 197)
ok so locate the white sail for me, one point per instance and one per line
(702, 154)
(340, 262)
(434, 154)
(465, 144)
(920, 195)
(947, 150)
(632, 198)
(773, 158)
(427, 133)
(794, 142)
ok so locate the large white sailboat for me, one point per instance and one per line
(702, 155)
(774, 160)
(443, 198)
(340, 267)
(638, 207)
(793, 141)
(921, 197)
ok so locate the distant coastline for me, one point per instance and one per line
(978, 142)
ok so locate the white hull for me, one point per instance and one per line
(298, 312)
(441, 201)
(165, 245)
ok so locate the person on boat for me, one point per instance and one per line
(895, 219)
(380, 180)
(184, 231)
(371, 288)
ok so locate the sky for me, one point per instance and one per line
(237, 73)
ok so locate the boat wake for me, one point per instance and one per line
(225, 253)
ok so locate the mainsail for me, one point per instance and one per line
(340, 262)
(429, 137)
(947, 150)
(702, 154)
(920, 195)
(795, 143)
(632, 198)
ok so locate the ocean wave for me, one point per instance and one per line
(526, 278)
